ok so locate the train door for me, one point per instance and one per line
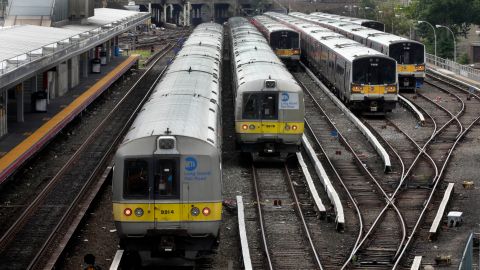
(269, 114)
(166, 193)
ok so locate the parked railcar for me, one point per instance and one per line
(167, 179)
(269, 108)
(409, 54)
(284, 41)
(359, 21)
(364, 79)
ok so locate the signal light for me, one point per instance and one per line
(287, 127)
(252, 126)
(139, 212)
(356, 89)
(195, 211)
(206, 211)
(245, 127)
(391, 89)
(420, 68)
(127, 212)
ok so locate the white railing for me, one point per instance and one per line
(98, 33)
(454, 67)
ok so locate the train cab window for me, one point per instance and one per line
(376, 70)
(136, 178)
(269, 106)
(407, 53)
(250, 109)
(165, 178)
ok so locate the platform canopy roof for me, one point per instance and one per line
(26, 49)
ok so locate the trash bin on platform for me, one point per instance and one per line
(96, 65)
(40, 101)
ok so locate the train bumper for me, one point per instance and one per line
(164, 242)
(410, 81)
(374, 104)
(257, 144)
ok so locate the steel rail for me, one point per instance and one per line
(304, 223)
(368, 173)
(105, 156)
(260, 218)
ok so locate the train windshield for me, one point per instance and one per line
(284, 40)
(374, 70)
(136, 178)
(374, 25)
(165, 178)
(408, 53)
(260, 106)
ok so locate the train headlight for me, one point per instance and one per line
(206, 211)
(244, 127)
(356, 89)
(287, 127)
(127, 212)
(194, 211)
(252, 126)
(391, 89)
(294, 127)
(139, 212)
(420, 68)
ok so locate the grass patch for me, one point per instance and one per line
(144, 55)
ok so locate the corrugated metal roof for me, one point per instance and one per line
(30, 7)
(22, 39)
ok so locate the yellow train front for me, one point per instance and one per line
(269, 106)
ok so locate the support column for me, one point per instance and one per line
(74, 71)
(3, 112)
(188, 14)
(109, 50)
(62, 79)
(185, 15)
(171, 11)
(85, 61)
(19, 100)
(164, 17)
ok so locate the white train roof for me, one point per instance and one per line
(255, 61)
(187, 99)
(341, 45)
(271, 25)
(342, 18)
(353, 28)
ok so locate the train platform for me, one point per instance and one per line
(25, 139)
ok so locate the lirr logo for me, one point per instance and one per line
(285, 97)
(191, 164)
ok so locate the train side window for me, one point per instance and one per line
(250, 108)
(165, 178)
(269, 106)
(136, 178)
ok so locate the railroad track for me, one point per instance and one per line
(39, 232)
(441, 147)
(277, 200)
(367, 193)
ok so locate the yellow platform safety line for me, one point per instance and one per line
(269, 127)
(167, 212)
(41, 132)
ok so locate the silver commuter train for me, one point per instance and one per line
(359, 21)
(364, 79)
(409, 54)
(269, 108)
(284, 41)
(167, 179)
